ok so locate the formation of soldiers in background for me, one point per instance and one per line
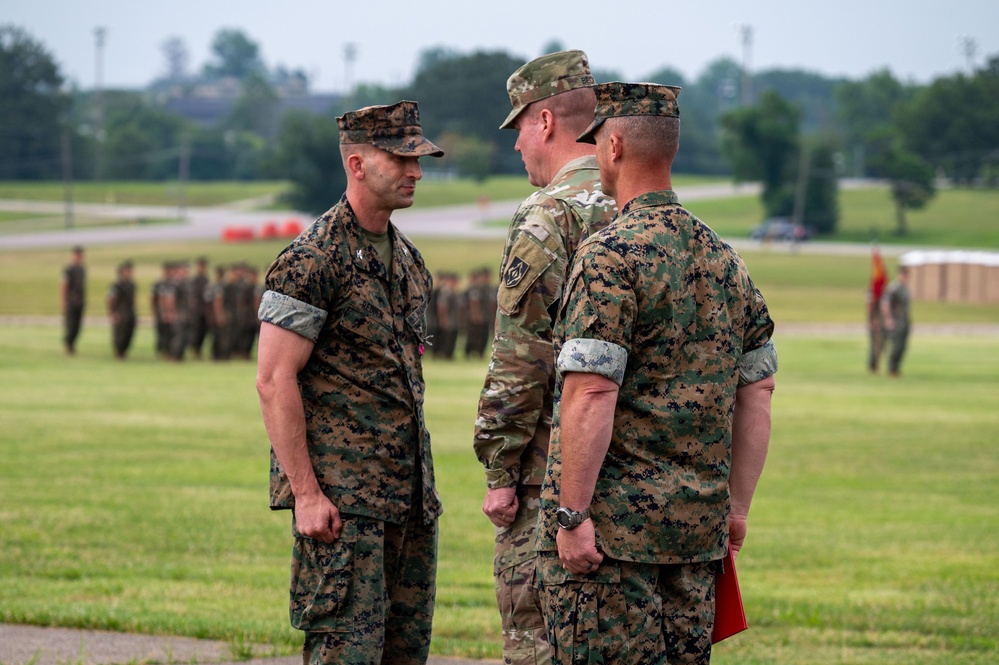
(453, 311)
(190, 309)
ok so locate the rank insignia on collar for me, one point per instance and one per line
(515, 272)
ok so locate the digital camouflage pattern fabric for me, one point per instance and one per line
(660, 304)
(394, 128)
(513, 426)
(615, 100)
(614, 614)
(339, 595)
(363, 387)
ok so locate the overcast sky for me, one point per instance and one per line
(917, 40)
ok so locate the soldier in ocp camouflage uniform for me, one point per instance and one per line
(552, 101)
(340, 379)
(665, 366)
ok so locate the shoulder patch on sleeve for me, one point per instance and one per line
(528, 259)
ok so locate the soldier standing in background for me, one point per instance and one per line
(447, 316)
(895, 313)
(552, 104)
(198, 317)
(213, 311)
(121, 310)
(73, 292)
(480, 309)
(157, 299)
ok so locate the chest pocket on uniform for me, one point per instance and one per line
(357, 322)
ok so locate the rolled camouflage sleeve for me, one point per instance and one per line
(291, 314)
(759, 357)
(593, 356)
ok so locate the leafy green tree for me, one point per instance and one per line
(256, 110)
(762, 144)
(31, 108)
(142, 140)
(866, 112)
(820, 209)
(911, 180)
(309, 156)
(234, 55)
(466, 95)
(953, 123)
(812, 93)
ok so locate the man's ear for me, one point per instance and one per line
(547, 121)
(355, 166)
(615, 146)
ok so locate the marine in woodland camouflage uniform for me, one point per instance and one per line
(552, 102)
(480, 312)
(341, 388)
(121, 310)
(198, 319)
(665, 365)
(74, 299)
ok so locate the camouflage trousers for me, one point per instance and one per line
(368, 597)
(525, 640)
(627, 613)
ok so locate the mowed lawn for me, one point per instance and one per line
(133, 496)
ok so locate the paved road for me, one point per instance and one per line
(209, 223)
(456, 221)
(32, 645)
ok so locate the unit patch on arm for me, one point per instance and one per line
(529, 258)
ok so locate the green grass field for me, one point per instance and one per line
(133, 496)
(135, 499)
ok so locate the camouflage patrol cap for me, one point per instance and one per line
(622, 99)
(394, 128)
(546, 76)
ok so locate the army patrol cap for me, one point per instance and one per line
(618, 99)
(544, 77)
(394, 128)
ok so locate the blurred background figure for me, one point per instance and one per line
(480, 310)
(74, 296)
(121, 310)
(875, 327)
(895, 314)
(198, 310)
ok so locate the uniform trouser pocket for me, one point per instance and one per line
(321, 582)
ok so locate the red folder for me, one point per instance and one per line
(730, 615)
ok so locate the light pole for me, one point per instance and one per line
(747, 50)
(99, 34)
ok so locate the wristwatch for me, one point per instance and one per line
(569, 519)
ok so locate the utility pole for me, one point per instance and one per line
(67, 175)
(183, 173)
(99, 34)
(349, 56)
(969, 48)
(747, 51)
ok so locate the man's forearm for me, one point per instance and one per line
(750, 442)
(586, 422)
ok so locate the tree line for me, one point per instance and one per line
(799, 134)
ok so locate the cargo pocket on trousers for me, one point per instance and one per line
(321, 582)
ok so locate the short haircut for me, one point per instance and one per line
(573, 108)
(649, 137)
